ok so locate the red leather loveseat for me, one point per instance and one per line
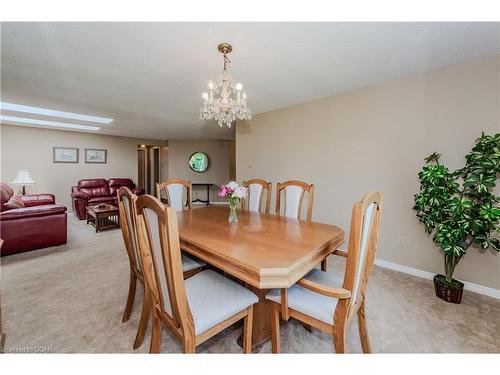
(98, 190)
(37, 222)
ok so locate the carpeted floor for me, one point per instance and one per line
(71, 298)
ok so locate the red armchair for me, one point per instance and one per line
(39, 223)
(98, 190)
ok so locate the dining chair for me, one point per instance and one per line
(173, 190)
(194, 309)
(253, 200)
(128, 226)
(293, 195)
(328, 302)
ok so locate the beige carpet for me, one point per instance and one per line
(71, 298)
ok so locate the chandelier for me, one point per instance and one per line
(225, 101)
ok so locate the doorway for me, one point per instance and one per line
(151, 166)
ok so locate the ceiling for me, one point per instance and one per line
(149, 76)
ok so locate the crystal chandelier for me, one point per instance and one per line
(225, 101)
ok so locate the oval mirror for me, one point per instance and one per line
(198, 162)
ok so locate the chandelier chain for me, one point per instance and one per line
(226, 61)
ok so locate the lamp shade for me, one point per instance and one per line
(23, 178)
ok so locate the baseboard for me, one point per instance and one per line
(476, 288)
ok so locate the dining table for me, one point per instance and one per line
(261, 251)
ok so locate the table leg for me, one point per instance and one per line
(208, 195)
(261, 328)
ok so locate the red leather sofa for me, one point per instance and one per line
(98, 190)
(40, 223)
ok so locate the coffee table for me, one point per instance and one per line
(103, 218)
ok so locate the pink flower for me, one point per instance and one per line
(222, 191)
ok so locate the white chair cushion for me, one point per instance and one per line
(292, 201)
(214, 298)
(308, 302)
(254, 196)
(189, 263)
(363, 248)
(175, 196)
(324, 278)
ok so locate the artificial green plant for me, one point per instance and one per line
(460, 208)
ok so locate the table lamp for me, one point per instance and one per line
(23, 178)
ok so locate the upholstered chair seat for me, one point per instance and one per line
(324, 278)
(308, 302)
(189, 264)
(214, 298)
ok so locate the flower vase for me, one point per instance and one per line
(233, 215)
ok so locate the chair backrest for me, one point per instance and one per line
(128, 226)
(253, 200)
(173, 191)
(363, 237)
(160, 251)
(293, 195)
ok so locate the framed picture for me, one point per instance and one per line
(65, 155)
(93, 155)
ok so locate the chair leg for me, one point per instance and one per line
(143, 324)
(339, 338)
(324, 264)
(363, 333)
(189, 346)
(155, 334)
(275, 328)
(131, 297)
(247, 331)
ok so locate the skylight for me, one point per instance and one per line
(52, 112)
(32, 121)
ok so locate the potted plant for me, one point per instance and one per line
(459, 208)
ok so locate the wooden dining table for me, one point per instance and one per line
(263, 251)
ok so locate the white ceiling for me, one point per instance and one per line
(149, 76)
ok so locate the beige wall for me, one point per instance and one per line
(218, 169)
(31, 148)
(163, 163)
(376, 138)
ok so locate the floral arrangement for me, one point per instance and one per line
(234, 194)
